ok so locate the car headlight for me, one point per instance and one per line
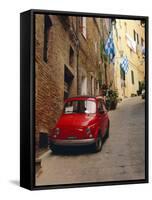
(57, 131)
(88, 131)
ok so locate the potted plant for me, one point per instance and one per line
(108, 102)
(113, 96)
(141, 87)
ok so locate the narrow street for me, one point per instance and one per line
(121, 158)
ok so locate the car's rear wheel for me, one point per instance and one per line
(54, 148)
(98, 144)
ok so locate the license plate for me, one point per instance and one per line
(72, 137)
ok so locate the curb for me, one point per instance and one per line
(39, 161)
(43, 155)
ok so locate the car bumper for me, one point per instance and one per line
(69, 142)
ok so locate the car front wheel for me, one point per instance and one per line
(98, 143)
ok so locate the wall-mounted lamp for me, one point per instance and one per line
(142, 22)
(113, 21)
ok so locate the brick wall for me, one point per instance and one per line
(50, 75)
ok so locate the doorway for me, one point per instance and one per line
(68, 78)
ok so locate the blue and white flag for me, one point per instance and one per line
(110, 48)
(124, 64)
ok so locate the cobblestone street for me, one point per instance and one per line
(121, 158)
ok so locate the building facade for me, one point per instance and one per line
(55, 68)
(129, 39)
(89, 60)
(68, 62)
(107, 70)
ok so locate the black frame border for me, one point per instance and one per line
(27, 99)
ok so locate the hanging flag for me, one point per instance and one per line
(110, 48)
(124, 64)
(131, 43)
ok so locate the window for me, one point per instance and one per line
(68, 78)
(142, 42)
(84, 85)
(122, 74)
(92, 85)
(126, 30)
(117, 35)
(134, 35)
(47, 26)
(83, 26)
(96, 84)
(80, 106)
(71, 57)
(132, 76)
(137, 38)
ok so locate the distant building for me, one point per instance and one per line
(129, 41)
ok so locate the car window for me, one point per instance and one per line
(80, 106)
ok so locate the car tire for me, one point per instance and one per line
(97, 147)
(54, 148)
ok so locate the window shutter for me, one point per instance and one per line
(84, 26)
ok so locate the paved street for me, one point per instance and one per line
(121, 158)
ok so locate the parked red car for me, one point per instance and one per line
(84, 121)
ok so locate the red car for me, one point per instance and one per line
(84, 121)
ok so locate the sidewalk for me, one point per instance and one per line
(40, 156)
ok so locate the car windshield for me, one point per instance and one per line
(80, 106)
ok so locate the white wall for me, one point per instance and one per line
(9, 99)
